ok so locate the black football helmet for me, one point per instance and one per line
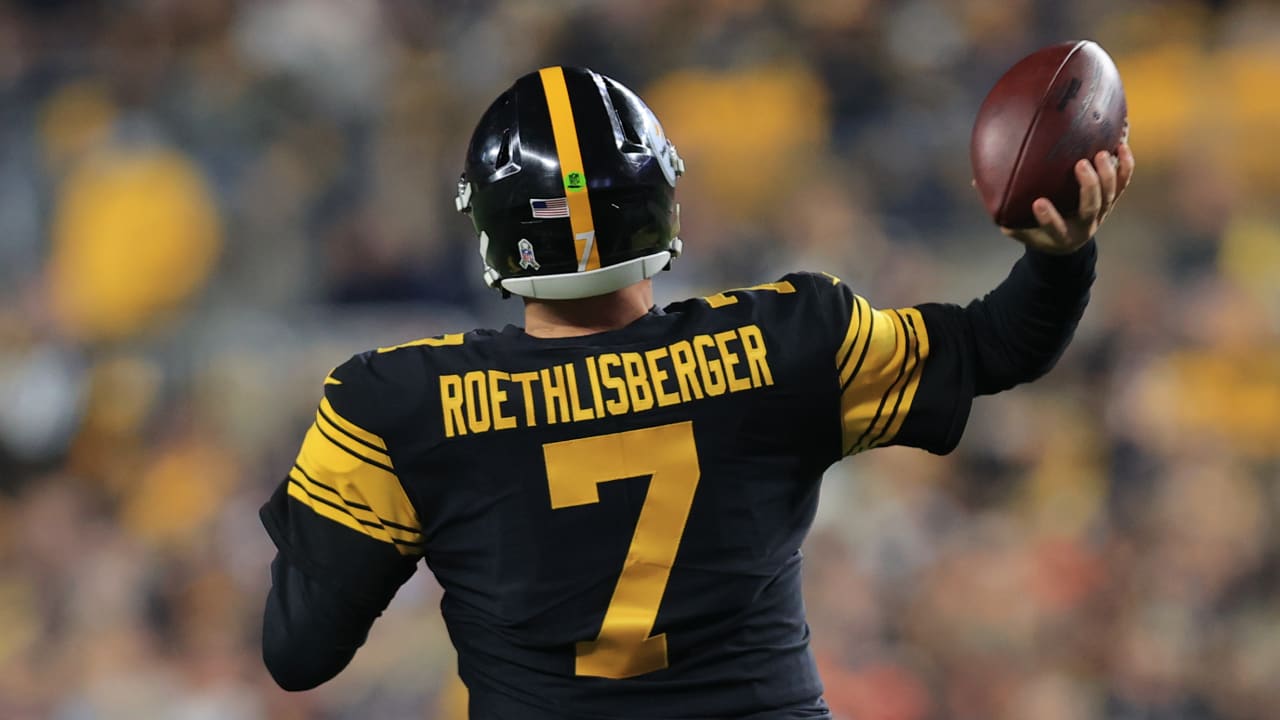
(570, 182)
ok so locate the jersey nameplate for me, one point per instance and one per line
(619, 383)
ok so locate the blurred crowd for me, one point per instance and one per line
(206, 204)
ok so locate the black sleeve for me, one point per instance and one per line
(1021, 328)
(1013, 335)
(328, 585)
(310, 631)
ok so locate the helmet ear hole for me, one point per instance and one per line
(504, 151)
(631, 133)
(632, 136)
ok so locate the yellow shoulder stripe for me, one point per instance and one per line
(565, 131)
(855, 327)
(442, 341)
(865, 317)
(349, 443)
(782, 287)
(350, 428)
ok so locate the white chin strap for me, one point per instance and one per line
(589, 283)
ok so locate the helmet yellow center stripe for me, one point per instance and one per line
(566, 136)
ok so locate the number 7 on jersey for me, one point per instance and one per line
(575, 469)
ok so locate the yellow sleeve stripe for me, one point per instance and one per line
(350, 428)
(330, 494)
(339, 515)
(352, 444)
(866, 330)
(442, 341)
(881, 391)
(356, 480)
(565, 132)
(915, 325)
(888, 416)
(326, 501)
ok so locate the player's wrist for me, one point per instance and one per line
(1071, 263)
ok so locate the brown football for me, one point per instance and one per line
(1055, 106)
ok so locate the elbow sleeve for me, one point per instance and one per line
(309, 633)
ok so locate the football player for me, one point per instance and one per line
(613, 497)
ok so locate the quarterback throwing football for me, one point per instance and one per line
(614, 496)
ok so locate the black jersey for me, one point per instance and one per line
(616, 519)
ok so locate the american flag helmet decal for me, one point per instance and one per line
(550, 207)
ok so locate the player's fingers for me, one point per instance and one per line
(1090, 190)
(1104, 164)
(1050, 219)
(1124, 174)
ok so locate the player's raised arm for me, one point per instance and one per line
(907, 376)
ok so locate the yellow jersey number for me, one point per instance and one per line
(624, 648)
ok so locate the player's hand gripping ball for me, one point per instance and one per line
(1049, 148)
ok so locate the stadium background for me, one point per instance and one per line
(206, 204)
